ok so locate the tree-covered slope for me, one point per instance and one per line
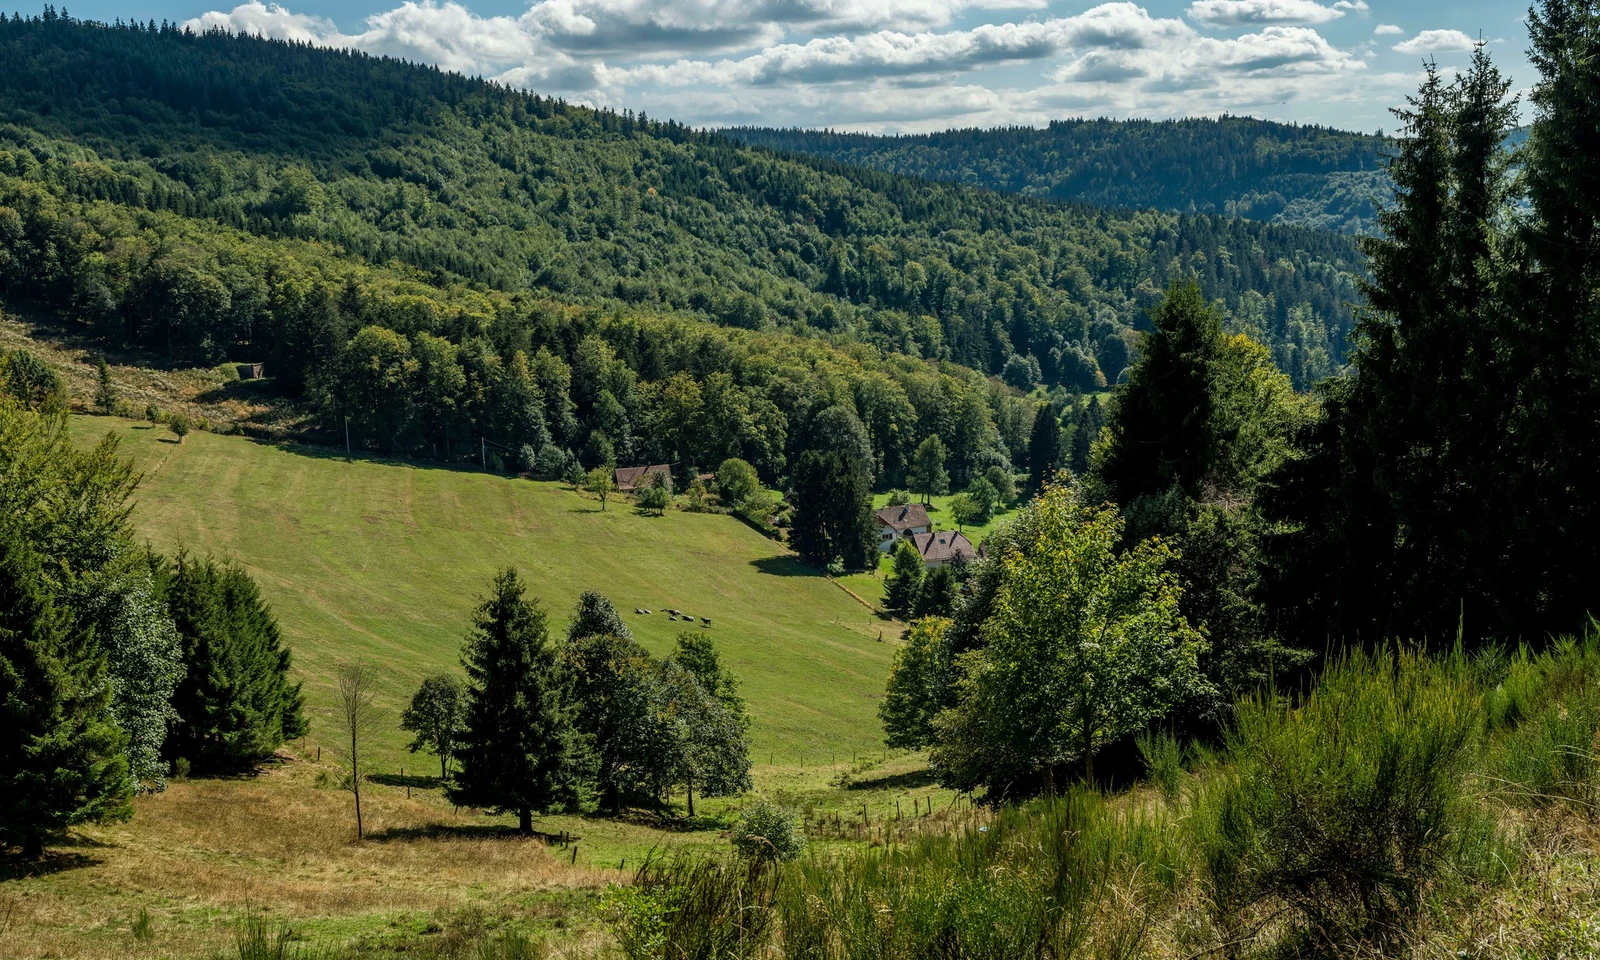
(461, 182)
(1239, 166)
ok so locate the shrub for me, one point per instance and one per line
(686, 908)
(899, 498)
(179, 425)
(1163, 761)
(768, 832)
(1546, 710)
(1348, 810)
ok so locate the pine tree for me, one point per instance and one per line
(105, 393)
(236, 703)
(1044, 448)
(63, 760)
(519, 750)
(903, 586)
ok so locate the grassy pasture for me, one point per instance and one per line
(382, 561)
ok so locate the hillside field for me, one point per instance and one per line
(383, 561)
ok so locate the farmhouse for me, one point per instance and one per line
(901, 521)
(940, 547)
(630, 479)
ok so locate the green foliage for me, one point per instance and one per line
(1084, 645)
(736, 481)
(898, 498)
(179, 425)
(519, 750)
(1071, 876)
(64, 760)
(435, 717)
(1003, 483)
(928, 475)
(144, 655)
(1241, 166)
(656, 495)
(919, 686)
(1044, 449)
(105, 391)
(833, 494)
(903, 586)
(939, 592)
(235, 704)
(768, 832)
(31, 382)
(1163, 763)
(697, 654)
(601, 482)
(698, 908)
(1350, 808)
(596, 616)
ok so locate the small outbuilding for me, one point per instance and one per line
(630, 479)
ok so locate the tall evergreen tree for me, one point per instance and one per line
(903, 586)
(1160, 425)
(833, 493)
(1044, 448)
(236, 703)
(63, 760)
(519, 750)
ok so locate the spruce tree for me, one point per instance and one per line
(903, 586)
(63, 759)
(519, 750)
(105, 392)
(833, 493)
(1044, 448)
(236, 703)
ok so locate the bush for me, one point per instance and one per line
(179, 425)
(899, 498)
(1546, 709)
(1347, 811)
(687, 908)
(768, 832)
(1163, 761)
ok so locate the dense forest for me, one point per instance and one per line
(467, 183)
(1238, 166)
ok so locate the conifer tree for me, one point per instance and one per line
(519, 750)
(903, 586)
(105, 392)
(63, 760)
(236, 703)
(1044, 448)
(833, 493)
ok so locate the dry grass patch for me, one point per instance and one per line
(207, 851)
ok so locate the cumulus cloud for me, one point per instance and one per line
(1387, 30)
(1436, 41)
(864, 64)
(1253, 13)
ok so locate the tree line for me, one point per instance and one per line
(1237, 166)
(467, 183)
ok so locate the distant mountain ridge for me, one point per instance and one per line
(1309, 176)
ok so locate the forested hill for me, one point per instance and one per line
(467, 181)
(1239, 166)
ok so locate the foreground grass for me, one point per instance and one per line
(383, 562)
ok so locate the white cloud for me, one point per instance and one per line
(1436, 41)
(733, 61)
(1387, 30)
(1253, 13)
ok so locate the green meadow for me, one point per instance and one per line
(382, 561)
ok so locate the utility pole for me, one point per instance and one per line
(483, 451)
(347, 438)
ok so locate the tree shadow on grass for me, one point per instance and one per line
(664, 820)
(471, 831)
(62, 855)
(414, 781)
(785, 566)
(910, 780)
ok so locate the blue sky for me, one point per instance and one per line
(910, 65)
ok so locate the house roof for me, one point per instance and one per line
(942, 546)
(629, 478)
(904, 517)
